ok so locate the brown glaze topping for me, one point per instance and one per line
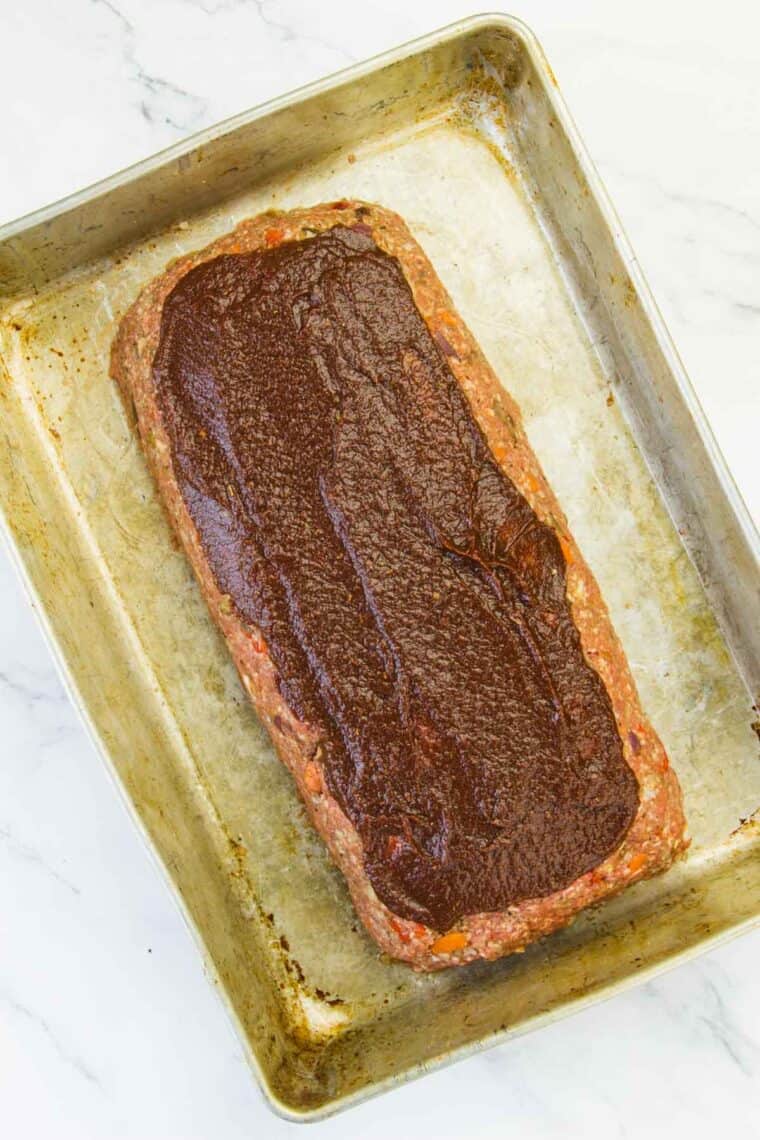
(411, 600)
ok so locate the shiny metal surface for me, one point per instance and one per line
(465, 134)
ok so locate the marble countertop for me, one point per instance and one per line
(108, 1027)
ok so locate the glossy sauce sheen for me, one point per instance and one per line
(411, 600)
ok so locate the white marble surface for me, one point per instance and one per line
(108, 1027)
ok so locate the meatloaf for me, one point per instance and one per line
(396, 583)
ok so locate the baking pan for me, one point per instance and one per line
(465, 134)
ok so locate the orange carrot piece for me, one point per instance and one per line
(312, 778)
(567, 549)
(637, 862)
(447, 943)
(258, 643)
(407, 930)
(401, 930)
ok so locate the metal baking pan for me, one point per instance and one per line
(465, 134)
